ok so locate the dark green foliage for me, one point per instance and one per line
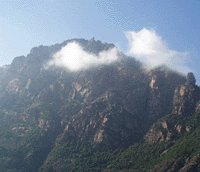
(3, 151)
(78, 156)
(31, 152)
(83, 156)
(186, 146)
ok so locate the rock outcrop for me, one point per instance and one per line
(134, 106)
(185, 101)
(101, 122)
(162, 85)
(186, 97)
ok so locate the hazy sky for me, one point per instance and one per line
(154, 31)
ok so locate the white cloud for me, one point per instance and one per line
(74, 58)
(150, 48)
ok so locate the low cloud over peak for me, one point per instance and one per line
(150, 48)
(74, 58)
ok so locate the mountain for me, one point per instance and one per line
(115, 116)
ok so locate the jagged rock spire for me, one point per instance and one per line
(190, 79)
(92, 40)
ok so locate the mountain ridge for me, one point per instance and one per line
(44, 113)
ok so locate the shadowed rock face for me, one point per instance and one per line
(161, 92)
(186, 97)
(190, 79)
(124, 114)
(185, 103)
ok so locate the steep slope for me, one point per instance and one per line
(178, 121)
(125, 114)
(43, 111)
(181, 127)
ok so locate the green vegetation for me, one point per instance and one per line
(30, 153)
(76, 155)
(84, 156)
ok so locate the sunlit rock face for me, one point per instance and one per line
(185, 104)
(124, 114)
(186, 97)
(161, 92)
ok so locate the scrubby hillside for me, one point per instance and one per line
(106, 117)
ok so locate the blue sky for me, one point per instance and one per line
(150, 30)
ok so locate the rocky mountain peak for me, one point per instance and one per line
(186, 96)
(190, 79)
(108, 107)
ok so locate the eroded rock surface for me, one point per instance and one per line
(185, 103)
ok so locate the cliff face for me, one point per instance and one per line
(186, 97)
(124, 115)
(161, 93)
(185, 101)
(182, 121)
